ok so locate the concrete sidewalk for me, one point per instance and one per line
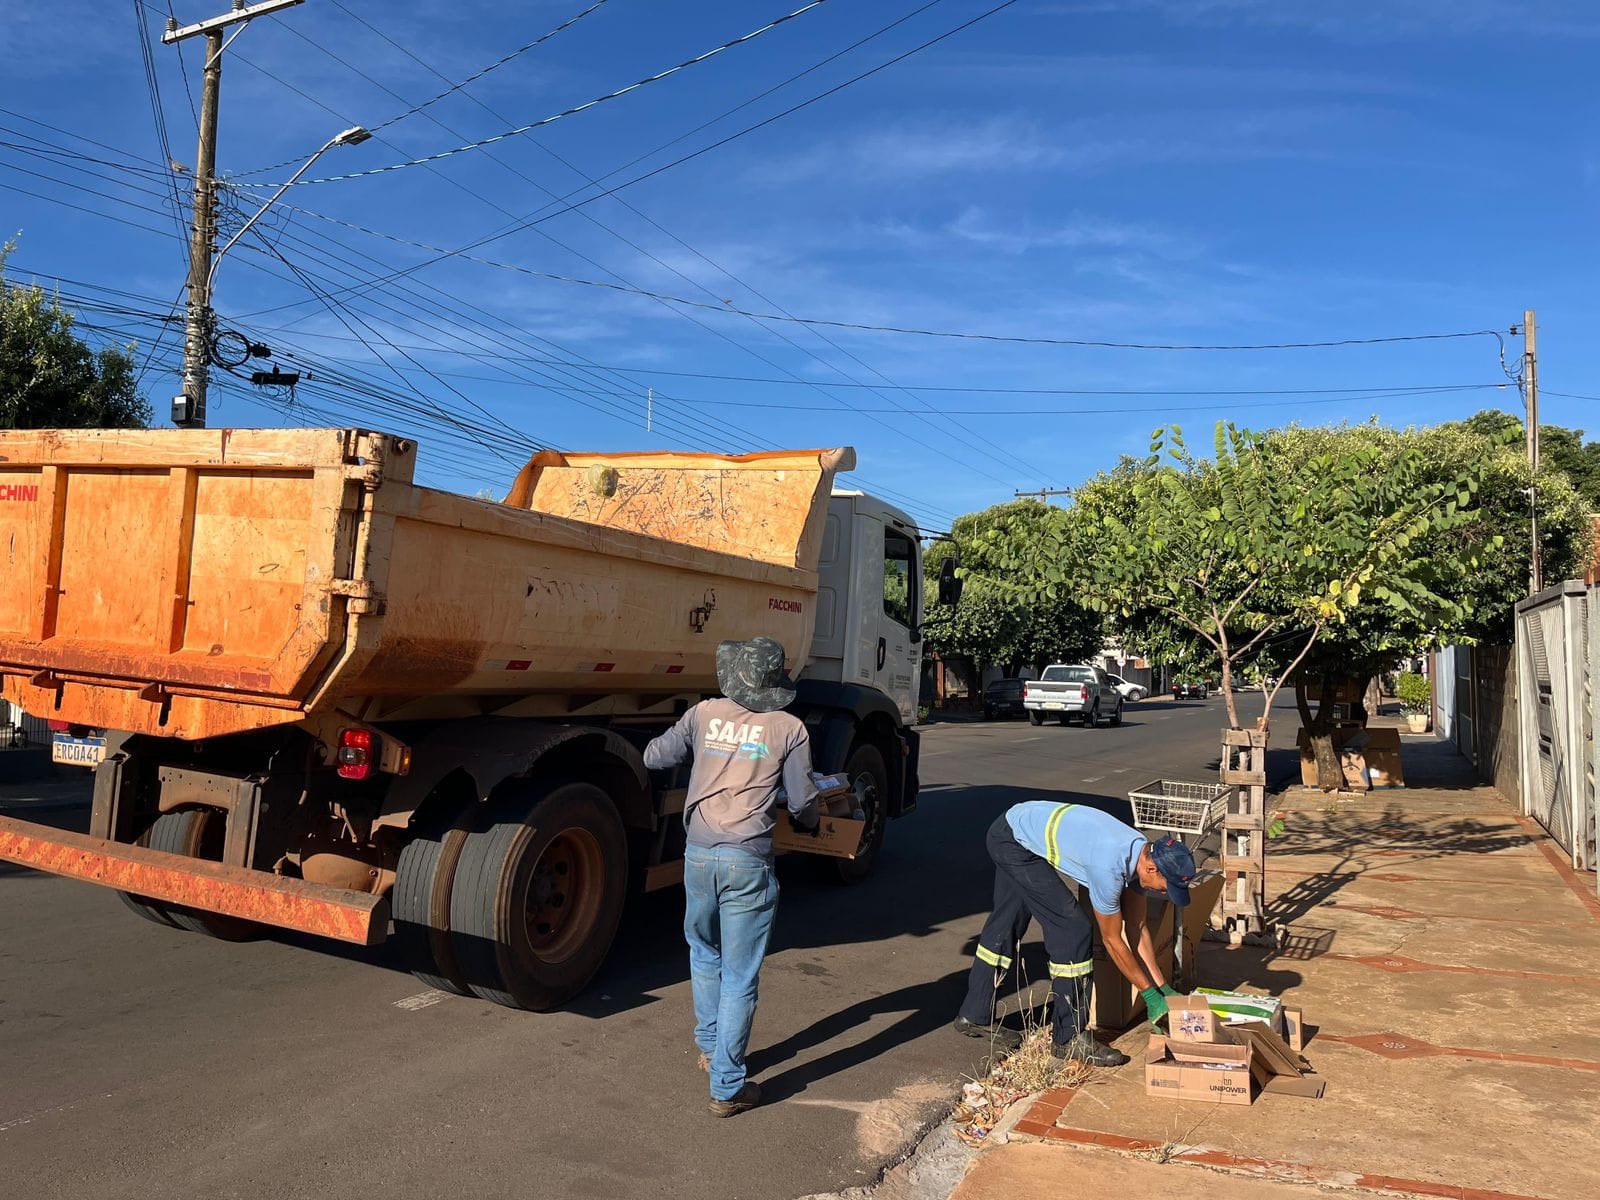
(1449, 963)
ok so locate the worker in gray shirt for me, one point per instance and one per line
(744, 747)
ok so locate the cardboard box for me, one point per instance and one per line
(1235, 1007)
(836, 837)
(1369, 758)
(1116, 1003)
(1218, 1082)
(1191, 1019)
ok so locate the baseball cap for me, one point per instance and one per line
(1176, 864)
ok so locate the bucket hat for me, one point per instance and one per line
(751, 674)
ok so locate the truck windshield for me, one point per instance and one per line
(1068, 675)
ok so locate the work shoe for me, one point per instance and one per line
(1086, 1048)
(749, 1096)
(1003, 1038)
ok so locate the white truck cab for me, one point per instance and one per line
(869, 601)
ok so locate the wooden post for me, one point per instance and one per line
(1244, 835)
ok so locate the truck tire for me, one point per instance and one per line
(424, 877)
(199, 833)
(150, 910)
(1035, 718)
(1116, 717)
(538, 895)
(870, 778)
(1091, 719)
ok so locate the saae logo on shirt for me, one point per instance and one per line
(736, 740)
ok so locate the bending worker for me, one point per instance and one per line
(1039, 848)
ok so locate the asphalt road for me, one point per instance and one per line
(140, 1060)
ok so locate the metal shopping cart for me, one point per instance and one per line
(1188, 811)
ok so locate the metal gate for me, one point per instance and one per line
(1553, 676)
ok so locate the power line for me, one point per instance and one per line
(1006, 459)
(568, 112)
(540, 216)
(477, 75)
(726, 307)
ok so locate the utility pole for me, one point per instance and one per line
(189, 409)
(1043, 493)
(1530, 390)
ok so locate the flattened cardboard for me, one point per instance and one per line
(1294, 1028)
(1369, 758)
(1208, 1083)
(1275, 1054)
(836, 837)
(1229, 1053)
(1308, 1086)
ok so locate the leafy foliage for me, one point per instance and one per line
(49, 378)
(1014, 608)
(1264, 547)
(1414, 693)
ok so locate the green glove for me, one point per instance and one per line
(1155, 1004)
(1168, 990)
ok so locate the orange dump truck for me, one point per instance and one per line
(321, 697)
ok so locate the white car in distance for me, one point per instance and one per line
(1128, 691)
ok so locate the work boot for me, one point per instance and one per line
(749, 1096)
(1003, 1038)
(1086, 1048)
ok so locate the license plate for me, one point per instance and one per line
(79, 752)
(1052, 704)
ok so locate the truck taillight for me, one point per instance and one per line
(356, 757)
(1083, 691)
(1024, 691)
(58, 726)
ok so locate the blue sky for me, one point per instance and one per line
(1167, 171)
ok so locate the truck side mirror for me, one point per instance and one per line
(949, 583)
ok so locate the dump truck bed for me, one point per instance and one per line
(195, 583)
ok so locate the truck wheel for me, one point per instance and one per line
(150, 910)
(1035, 718)
(199, 833)
(870, 779)
(537, 896)
(1091, 719)
(1116, 717)
(424, 876)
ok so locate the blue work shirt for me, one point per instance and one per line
(1084, 844)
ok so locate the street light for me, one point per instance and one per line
(353, 136)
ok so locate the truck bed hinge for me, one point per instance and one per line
(361, 597)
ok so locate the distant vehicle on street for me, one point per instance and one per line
(1003, 698)
(1065, 692)
(1128, 691)
(1184, 690)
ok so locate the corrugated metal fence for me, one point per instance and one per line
(1558, 640)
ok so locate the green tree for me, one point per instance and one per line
(996, 621)
(1263, 549)
(1371, 640)
(1560, 449)
(49, 378)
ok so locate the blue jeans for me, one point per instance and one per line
(732, 897)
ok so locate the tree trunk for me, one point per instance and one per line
(1319, 728)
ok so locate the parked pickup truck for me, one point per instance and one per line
(332, 697)
(1065, 692)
